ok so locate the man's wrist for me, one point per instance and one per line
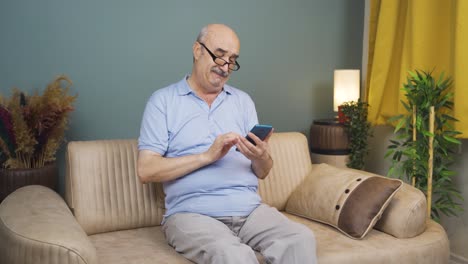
(205, 158)
(265, 157)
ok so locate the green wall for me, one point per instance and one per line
(118, 52)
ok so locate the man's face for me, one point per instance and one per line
(223, 45)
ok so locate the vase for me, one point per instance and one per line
(12, 179)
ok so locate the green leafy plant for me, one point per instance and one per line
(411, 150)
(32, 127)
(358, 129)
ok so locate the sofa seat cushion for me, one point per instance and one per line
(148, 246)
(143, 246)
(138, 246)
(432, 246)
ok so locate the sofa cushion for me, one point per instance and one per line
(142, 245)
(346, 199)
(431, 246)
(406, 215)
(291, 165)
(148, 246)
(103, 188)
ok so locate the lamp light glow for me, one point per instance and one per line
(346, 87)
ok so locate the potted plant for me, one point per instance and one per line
(31, 130)
(353, 115)
(425, 143)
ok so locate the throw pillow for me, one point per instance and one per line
(347, 199)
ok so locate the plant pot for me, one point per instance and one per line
(12, 179)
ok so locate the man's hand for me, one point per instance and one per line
(254, 152)
(259, 154)
(221, 146)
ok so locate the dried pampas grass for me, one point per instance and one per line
(32, 127)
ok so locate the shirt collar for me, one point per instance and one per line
(227, 89)
(184, 87)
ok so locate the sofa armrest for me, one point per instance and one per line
(36, 226)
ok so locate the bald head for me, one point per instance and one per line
(218, 32)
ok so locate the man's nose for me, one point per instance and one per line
(225, 67)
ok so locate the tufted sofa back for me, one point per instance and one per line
(105, 194)
(291, 163)
(103, 190)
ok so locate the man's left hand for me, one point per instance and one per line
(255, 152)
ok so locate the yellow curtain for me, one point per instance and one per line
(430, 35)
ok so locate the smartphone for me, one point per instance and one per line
(261, 131)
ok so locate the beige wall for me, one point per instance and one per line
(456, 227)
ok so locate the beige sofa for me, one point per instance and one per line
(110, 217)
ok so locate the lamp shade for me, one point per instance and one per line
(346, 87)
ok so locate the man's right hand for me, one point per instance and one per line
(221, 146)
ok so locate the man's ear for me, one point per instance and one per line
(196, 49)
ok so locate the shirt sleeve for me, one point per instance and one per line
(153, 130)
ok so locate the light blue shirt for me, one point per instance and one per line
(176, 123)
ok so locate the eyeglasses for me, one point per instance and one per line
(233, 66)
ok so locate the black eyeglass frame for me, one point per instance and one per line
(214, 57)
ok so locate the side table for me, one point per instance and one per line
(329, 142)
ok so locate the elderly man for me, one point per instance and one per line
(188, 140)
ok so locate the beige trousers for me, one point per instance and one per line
(203, 239)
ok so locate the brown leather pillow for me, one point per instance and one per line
(350, 200)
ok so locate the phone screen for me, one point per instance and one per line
(261, 131)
